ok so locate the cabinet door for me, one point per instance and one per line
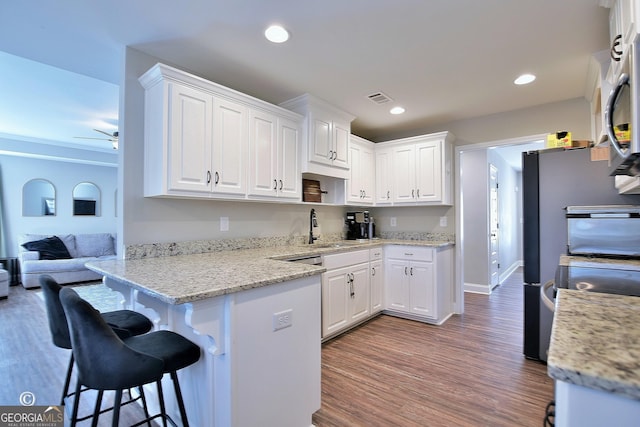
(320, 149)
(377, 283)
(397, 285)
(429, 172)
(230, 138)
(422, 288)
(367, 175)
(383, 176)
(354, 187)
(335, 301)
(404, 174)
(340, 138)
(190, 126)
(262, 154)
(289, 182)
(360, 301)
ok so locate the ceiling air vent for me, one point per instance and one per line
(379, 98)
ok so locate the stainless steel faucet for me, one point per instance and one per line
(313, 222)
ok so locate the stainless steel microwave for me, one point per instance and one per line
(621, 116)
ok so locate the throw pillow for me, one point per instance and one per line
(49, 248)
(92, 245)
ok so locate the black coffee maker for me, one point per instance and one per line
(359, 225)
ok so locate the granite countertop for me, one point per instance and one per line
(185, 278)
(595, 342)
(599, 262)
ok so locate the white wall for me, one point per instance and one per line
(475, 196)
(64, 176)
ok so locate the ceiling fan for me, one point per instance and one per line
(111, 137)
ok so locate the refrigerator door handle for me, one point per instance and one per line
(545, 298)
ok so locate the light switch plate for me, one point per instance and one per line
(224, 223)
(394, 221)
(443, 221)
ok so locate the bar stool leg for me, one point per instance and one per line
(96, 410)
(67, 381)
(163, 411)
(144, 405)
(116, 408)
(176, 386)
(76, 404)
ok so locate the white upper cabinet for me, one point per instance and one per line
(230, 141)
(420, 171)
(274, 166)
(197, 138)
(361, 184)
(326, 133)
(383, 172)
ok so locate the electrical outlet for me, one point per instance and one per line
(224, 223)
(282, 320)
(443, 221)
(394, 221)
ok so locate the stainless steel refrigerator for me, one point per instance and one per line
(551, 181)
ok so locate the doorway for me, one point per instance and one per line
(477, 257)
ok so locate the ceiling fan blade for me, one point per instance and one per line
(88, 137)
(106, 133)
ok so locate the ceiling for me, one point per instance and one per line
(442, 60)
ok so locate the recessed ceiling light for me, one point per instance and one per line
(524, 79)
(397, 110)
(276, 34)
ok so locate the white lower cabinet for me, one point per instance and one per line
(345, 291)
(376, 268)
(418, 283)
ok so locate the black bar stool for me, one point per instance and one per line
(126, 323)
(107, 362)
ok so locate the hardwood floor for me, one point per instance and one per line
(468, 372)
(388, 372)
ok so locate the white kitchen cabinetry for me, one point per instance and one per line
(345, 291)
(377, 280)
(229, 147)
(418, 283)
(415, 170)
(273, 150)
(360, 186)
(422, 172)
(384, 180)
(326, 134)
(197, 136)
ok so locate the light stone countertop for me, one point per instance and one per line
(185, 278)
(595, 342)
(599, 262)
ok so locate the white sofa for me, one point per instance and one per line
(81, 247)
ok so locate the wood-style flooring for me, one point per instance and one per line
(470, 371)
(388, 372)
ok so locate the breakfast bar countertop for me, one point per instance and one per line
(595, 342)
(186, 278)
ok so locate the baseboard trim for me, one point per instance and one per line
(477, 288)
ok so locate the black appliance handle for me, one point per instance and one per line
(608, 115)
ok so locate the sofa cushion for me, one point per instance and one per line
(49, 248)
(94, 245)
